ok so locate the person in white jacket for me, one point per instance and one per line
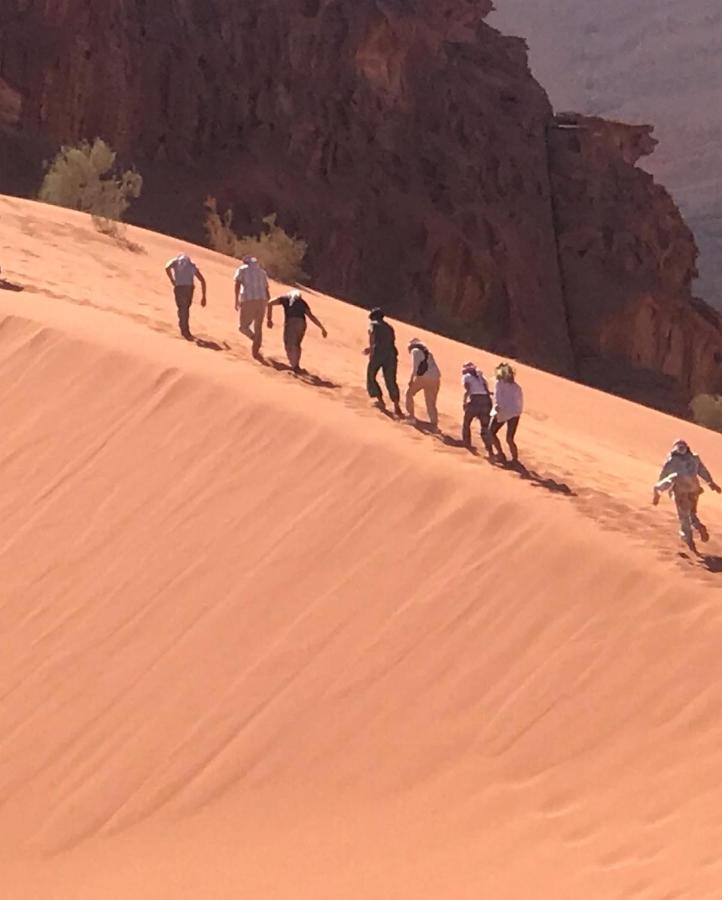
(680, 477)
(507, 409)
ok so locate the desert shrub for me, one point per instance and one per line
(707, 411)
(282, 255)
(85, 178)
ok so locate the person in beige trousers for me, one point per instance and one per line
(426, 377)
(251, 294)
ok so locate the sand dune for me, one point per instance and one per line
(261, 641)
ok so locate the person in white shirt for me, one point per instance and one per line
(426, 377)
(251, 297)
(182, 272)
(507, 410)
(477, 404)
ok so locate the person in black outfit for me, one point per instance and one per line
(296, 312)
(382, 354)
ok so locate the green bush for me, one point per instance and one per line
(281, 255)
(707, 411)
(85, 178)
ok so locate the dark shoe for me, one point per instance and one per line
(398, 412)
(703, 533)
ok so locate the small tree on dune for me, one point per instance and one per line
(281, 254)
(85, 177)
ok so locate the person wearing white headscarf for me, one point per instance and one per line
(680, 477)
(477, 404)
(425, 376)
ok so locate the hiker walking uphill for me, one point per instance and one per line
(296, 312)
(251, 296)
(182, 272)
(426, 377)
(383, 355)
(477, 404)
(507, 410)
(680, 476)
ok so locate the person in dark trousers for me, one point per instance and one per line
(477, 404)
(680, 477)
(182, 272)
(296, 312)
(383, 355)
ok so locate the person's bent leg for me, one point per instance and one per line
(469, 416)
(493, 437)
(683, 502)
(246, 317)
(259, 313)
(695, 520)
(293, 333)
(390, 369)
(412, 391)
(511, 427)
(372, 385)
(431, 394)
(184, 299)
(300, 334)
(484, 407)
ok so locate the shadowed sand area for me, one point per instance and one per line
(260, 641)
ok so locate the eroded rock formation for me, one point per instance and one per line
(628, 262)
(405, 140)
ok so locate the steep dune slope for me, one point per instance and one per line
(261, 641)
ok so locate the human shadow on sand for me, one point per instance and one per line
(303, 375)
(10, 286)
(537, 480)
(711, 563)
(206, 344)
(450, 441)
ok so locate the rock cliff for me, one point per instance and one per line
(628, 263)
(405, 140)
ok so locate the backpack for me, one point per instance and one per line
(423, 366)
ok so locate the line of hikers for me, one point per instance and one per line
(680, 475)
(252, 300)
(493, 409)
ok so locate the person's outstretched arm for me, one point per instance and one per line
(369, 351)
(169, 272)
(237, 290)
(269, 313)
(667, 469)
(199, 276)
(315, 321)
(704, 473)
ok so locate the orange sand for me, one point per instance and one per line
(259, 641)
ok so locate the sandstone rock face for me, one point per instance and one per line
(628, 262)
(405, 140)
(643, 61)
